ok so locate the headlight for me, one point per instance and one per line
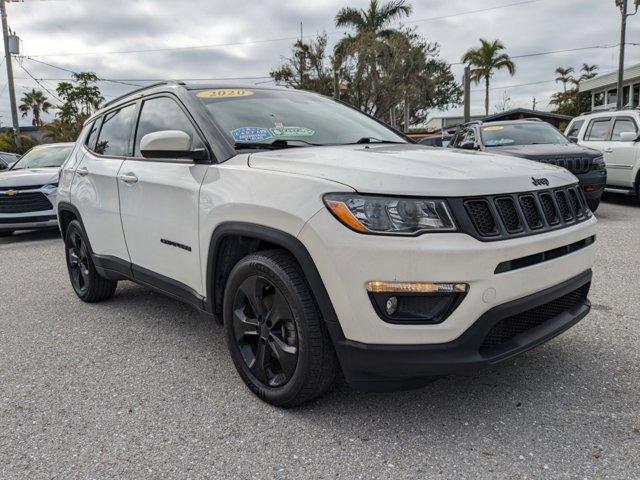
(50, 189)
(598, 164)
(389, 215)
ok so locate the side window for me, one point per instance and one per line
(598, 130)
(574, 129)
(163, 113)
(622, 124)
(464, 136)
(116, 132)
(90, 141)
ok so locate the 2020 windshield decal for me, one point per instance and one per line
(251, 134)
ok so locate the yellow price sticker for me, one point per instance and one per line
(495, 128)
(225, 93)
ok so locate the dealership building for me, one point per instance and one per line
(603, 89)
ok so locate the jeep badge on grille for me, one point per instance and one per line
(540, 181)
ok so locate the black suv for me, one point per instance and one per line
(537, 140)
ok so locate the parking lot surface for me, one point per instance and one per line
(142, 386)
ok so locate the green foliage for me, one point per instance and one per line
(393, 74)
(36, 103)
(571, 101)
(8, 143)
(485, 60)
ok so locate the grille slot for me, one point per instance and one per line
(531, 212)
(575, 202)
(549, 208)
(563, 205)
(481, 216)
(509, 214)
(510, 327)
(24, 203)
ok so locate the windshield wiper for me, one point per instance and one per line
(275, 145)
(373, 140)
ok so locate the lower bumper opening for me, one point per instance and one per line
(501, 333)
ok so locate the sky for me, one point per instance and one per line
(196, 39)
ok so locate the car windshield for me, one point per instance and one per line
(289, 118)
(529, 133)
(42, 157)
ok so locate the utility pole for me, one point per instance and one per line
(12, 90)
(622, 5)
(467, 93)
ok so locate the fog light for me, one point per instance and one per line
(392, 305)
(416, 287)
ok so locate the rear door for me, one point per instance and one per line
(95, 186)
(159, 204)
(621, 156)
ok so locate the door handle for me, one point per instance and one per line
(82, 171)
(128, 178)
(608, 150)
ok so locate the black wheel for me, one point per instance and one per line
(86, 282)
(593, 203)
(274, 331)
(6, 233)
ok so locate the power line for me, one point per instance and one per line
(270, 40)
(39, 83)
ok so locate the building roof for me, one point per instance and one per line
(609, 79)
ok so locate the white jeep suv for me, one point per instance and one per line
(323, 239)
(616, 134)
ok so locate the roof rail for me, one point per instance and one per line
(141, 89)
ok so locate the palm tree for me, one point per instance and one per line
(588, 71)
(564, 76)
(484, 60)
(371, 33)
(36, 103)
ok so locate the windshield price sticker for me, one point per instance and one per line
(495, 128)
(225, 93)
(251, 134)
(292, 132)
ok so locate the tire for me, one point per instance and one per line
(593, 203)
(85, 280)
(6, 233)
(270, 317)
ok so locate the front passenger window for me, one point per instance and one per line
(598, 130)
(163, 113)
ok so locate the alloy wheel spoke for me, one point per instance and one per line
(261, 361)
(252, 289)
(244, 326)
(279, 309)
(285, 354)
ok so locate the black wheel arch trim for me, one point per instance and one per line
(287, 242)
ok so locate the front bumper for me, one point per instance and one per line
(392, 367)
(38, 221)
(593, 183)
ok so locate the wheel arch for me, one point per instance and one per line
(231, 241)
(66, 214)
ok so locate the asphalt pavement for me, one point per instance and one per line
(142, 386)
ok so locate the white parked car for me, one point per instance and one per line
(28, 190)
(323, 239)
(616, 134)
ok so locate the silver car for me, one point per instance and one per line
(28, 190)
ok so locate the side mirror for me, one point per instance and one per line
(628, 137)
(170, 144)
(573, 139)
(469, 146)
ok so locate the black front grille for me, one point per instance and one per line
(519, 214)
(510, 327)
(573, 164)
(24, 203)
(482, 217)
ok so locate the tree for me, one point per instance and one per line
(588, 71)
(571, 101)
(486, 59)
(368, 44)
(564, 76)
(78, 103)
(8, 142)
(307, 68)
(36, 103)
(505, 104)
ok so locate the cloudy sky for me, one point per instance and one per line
(144, 40)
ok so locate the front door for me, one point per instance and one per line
(159, 205)
(621, 156)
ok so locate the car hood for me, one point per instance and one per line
(29, 177)
(545, 151)
(410, 169)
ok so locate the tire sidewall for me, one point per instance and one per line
(253, 265)
(75, 226)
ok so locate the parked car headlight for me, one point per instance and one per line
(50, 189)
(389, 215)
(598, 164)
